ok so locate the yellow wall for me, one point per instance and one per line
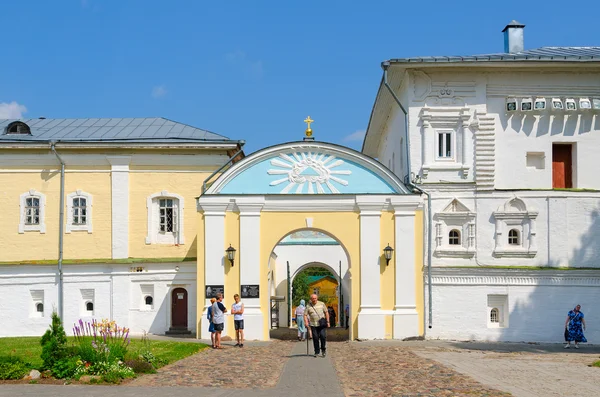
(387, 272)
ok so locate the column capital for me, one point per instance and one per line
(405, 205)
(119, 163)
(212, 205)
(250, 206)
(371, 205)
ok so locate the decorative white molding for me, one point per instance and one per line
(154, 236)
(120, 205)
(556, 279)
(514, 215)
(313, 170)
(484, 128)
(70, 227)
(41, 227)
(546, 90)
(456, 216)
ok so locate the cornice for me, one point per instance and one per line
(514, 277)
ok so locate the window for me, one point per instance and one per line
(32, 205)
(18, 128)
(513, 237)
(494, 316)
(89, 306)
(148, 300)
(87, 299)
(454, 237)
(147, 295)
(39, 308)
(79, 212)
(445, 145)
(165, 218)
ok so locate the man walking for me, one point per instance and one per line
(317, 317)
(237, 309)
(218, 319)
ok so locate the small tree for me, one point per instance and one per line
(54, 343)
(300, 288)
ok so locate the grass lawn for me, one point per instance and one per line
(596, 364)
(29, 349)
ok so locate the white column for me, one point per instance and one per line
(214, 253)
(371, 320)
(119, 176)
(406, 317)
(249, 262)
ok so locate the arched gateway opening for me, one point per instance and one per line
(267, 209)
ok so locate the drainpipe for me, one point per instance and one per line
(60, 231)
(385, 65)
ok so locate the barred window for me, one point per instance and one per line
(168, 216)
(32, 211)
(454, 237)
(79, 211)
(494, 316)
(513, 237)
(39, 307)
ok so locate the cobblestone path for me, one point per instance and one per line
(367, 370)
(250, 367)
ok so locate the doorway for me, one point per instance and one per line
(179, 308)
(562, 166)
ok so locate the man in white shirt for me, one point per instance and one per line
(237, 309)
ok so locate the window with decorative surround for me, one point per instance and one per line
(79, 212)
(455, 231)
(497, 311)
(515, 230)
(165, 218)
(147, 293)
(445, 145)
(87, 302)
(37, 300)
(33, 210)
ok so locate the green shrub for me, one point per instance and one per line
(140, 366)
(65, 368)
(12, 368)
(596, 364)
(54, 343)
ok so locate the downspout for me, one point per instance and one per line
(242, 143)
(60, 231)
(385, 65)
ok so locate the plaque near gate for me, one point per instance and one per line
(250, 291)
(212, 291)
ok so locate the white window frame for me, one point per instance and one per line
(497, 302)
(70, 227)
(154, 236)
(438, 135)
(37, 297)
(41, 227)
(514, 214)
(455, 216)
(147, 290)
(87, 296)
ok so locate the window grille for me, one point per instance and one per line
(513, 237)
(454, 237)
(168, 216)
(32, 211)
(494, 315)
(79, 211)
(39, 307)
(89, 306)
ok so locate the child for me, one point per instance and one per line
(237, 309)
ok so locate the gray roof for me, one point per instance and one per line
(543, 54)
(150, 130)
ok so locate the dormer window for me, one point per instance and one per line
(18, 128)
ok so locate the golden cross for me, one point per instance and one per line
(308, 120)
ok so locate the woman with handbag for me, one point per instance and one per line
(574, 327)
(317, 316)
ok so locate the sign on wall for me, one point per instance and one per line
(213, 290)
(250, 291)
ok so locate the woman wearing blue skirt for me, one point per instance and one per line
(575, 325)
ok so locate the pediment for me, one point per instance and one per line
(456, 206)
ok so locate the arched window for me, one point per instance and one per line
(89, 306)
(39, 307)
(513, 237)
(494, 315)
(18, 128)
(454, 237)
(148, 299)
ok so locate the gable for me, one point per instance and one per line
(307, 168)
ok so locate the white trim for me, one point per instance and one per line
(514, 214)
(89, 201)
(367, 162)
(516, 277)
(119, 177)
(152, 236)
(22, 204)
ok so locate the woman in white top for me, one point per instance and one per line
(300, 320)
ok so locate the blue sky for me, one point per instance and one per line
(248, 70)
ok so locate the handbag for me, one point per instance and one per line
(566, 334)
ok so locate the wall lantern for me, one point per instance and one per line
(570, 104)
(585, 104)
(526, 104)
(387, 252)
(557, 104)
(540, 104)
(230, 254)
(511, 105)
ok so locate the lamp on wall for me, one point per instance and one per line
(387, 252)
(230, 254)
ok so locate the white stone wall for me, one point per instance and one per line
(538, 303)
(117, 296)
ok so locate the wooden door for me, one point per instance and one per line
(179, 308)
(562, 166)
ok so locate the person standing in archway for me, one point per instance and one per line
(317, 316)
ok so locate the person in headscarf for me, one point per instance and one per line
(575, 325)
(300, 320)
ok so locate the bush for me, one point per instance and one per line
(65, 368)
(54, 343)
(140, 366)
(12, 368)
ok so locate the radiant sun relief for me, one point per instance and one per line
(308, 173)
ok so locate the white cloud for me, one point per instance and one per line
(159, 91)
(355, 136)
(12, 110)
(240, 59)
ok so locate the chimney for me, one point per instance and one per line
(513, 37)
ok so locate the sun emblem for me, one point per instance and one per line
(307, 172)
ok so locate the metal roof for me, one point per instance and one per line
(542, 54)
(106, 130)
